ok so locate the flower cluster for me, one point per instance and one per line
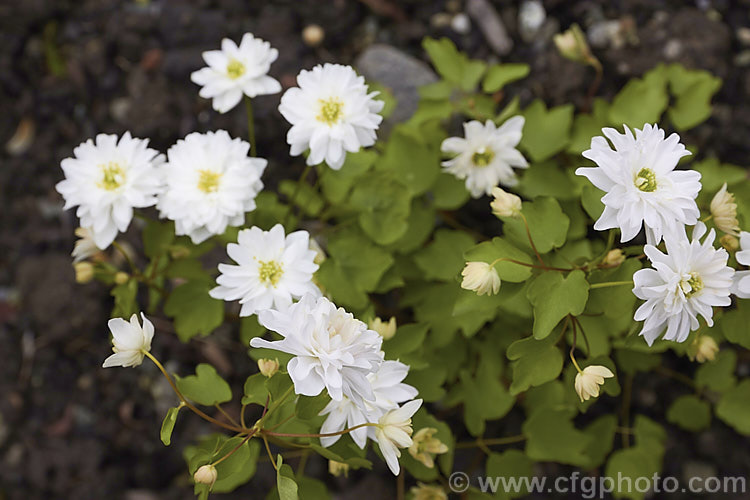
(644, 190)
(334, 351)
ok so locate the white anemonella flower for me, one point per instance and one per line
(85, 245)
(388, 389)
(505, 204)
(236, 70)
(741, 283)
(394, 431)
(643, 188)
(480, 277)
(129, 341)
(332, 350)
(687, 281)
(587, 382)
(210, 183)
(486, 155)
(106, 179)
(272, 270)
(331, 113)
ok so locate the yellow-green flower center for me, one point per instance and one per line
(646, 180)
(331, 110)
(208, 181)
(235, 69)
(482, 157)
(691, 285)
(113, 176)
(269, 272)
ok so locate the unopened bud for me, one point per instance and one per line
(320, 255)
(206, 474)
(425, 446)
(572, 45)
(121, 278)
(724, 211)
(505, 204)
(428, 492)
(268, 367)
(179, 252)
(613, 258)
(386, 330)
(338, 468)
(704, 349)
(84, 271)
(481, 278)
(730, 243)
(313, 35)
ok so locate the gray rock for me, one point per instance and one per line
(491, 26)
(401, 73)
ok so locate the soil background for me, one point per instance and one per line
(70, 69)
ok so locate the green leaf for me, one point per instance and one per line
(690, 412)
(547, 223)
(236, 470)
(188, 269)
(498, 248)
(602, 433)
(535, 362)
(694, 89)
(591, 199)
(449, 193)
(554, 297)
(418, 174)
(453, 65)
(285, 481)
(336, 184)
(157, 237)
(308, 199)
(383, 204)
(206, 387)
(255, 390)
(587, 126)
(312, 489)
(125, 299)
(167, 425)
(551, 436)
(408, 338)
(511, 465)
(485, 398)
(718, 375)
(734, 407)
(546, 132)
(354, 266)
(308, 407)
(194, 311)
(641, 100)
(499, 75)
(443, 259)
(547, 178)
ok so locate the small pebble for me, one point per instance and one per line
(672, 49)
(313, 35)
(531, 16)
(461, 24)
(743, 35)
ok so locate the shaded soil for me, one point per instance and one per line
(70, 69)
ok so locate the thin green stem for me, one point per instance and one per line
(329, 434)
(270, 455)
(247, 438)
(127, 257)
(187, 403)
(293, 199)
(480, 442)
(270, 409)
(610, 283)
(226, 415)
(250, 126)
(531, 240)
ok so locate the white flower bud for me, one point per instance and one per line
(481, 278)
(425, 446)
(704, 349)
(338, 468)
(121, 278)
(724, 211)
(386, 330)
(268, 367)
(313, 35)
(84, 272)
(588, 381)
(613, 258)
(206, 474)
(505, 204)
(730, 243)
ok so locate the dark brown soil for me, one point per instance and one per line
(73, 68)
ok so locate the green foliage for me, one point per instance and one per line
(206, 387)
(193, 310)
(396, 231)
